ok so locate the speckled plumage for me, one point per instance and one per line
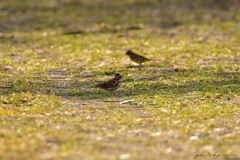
(136, 57)
(112, 84)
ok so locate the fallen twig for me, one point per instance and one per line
(127, 101)
(2, 86)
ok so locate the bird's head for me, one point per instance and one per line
(129, 52)
(118, 76)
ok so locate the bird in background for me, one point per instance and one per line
(136, 57)
(112, 84)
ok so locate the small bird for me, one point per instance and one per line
(112, 84)
(136, 57)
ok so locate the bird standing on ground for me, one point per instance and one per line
(136, 57)
(112, 84)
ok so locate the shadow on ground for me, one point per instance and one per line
(164, 82)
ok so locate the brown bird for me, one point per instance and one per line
(136, 57)
(112, 84)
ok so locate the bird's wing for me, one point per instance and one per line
(112, 82)
(144, 58)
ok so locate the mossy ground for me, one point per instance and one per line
(186, 101)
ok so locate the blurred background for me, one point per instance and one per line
(30, 15)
